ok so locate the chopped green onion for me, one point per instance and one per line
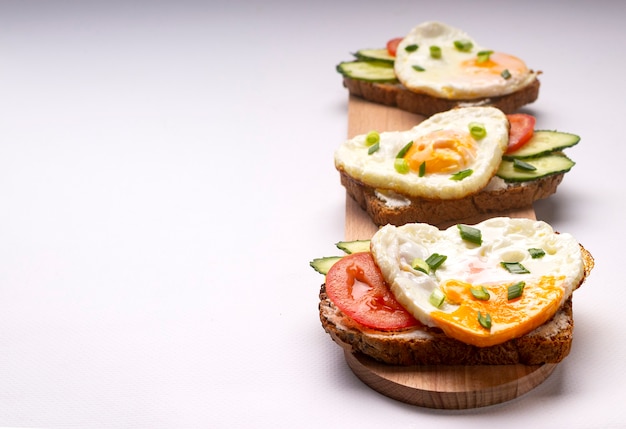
(460, 175)
(373, 148)
(463, 45)
(422, 171)
(435, 51)
(480, 293)
(418, 68)
(420, 265)
(483, 56)
(401, 165)
(536, 253)
(411, 48)
(437, 297)
(404, 150)
(471, 234)
(477, 130)
(514, 267)
(435, 260)
(372, 138)
(506, 74)
(521, 165)
(515, 290)
(485, 321)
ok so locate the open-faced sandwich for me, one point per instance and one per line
(494, 293)
(435, 68)
(458, 164)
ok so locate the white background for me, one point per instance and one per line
(166, 176)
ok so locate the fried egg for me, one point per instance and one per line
(445, 62)
(442, 158)
(481, 294)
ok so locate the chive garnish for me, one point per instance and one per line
(418, 68)
(471, 234)
(480, 293)
(515, 290)
(437, 297)
(505, 74)
(422, 170)
(514, 267)
(435, 51)
(463, 45)
(420, 265)
(431, 263)
(373, 148)
(460, 175)
(521, 165)
(477, 130)
(483, 56)
(411, 48)
(485, 321)
(372, 138)
(435, 260)
(404, 150)
(401, 165)
(536, 253)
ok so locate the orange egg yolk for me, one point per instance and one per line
(442, 151)
(509, 319)
(493, 67)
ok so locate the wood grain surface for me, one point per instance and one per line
(445, 386)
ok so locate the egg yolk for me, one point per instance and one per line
(474, 69)
(442, 151)
(510, 319)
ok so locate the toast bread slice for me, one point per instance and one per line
(549, 343)
(442, 212)
(396, 95)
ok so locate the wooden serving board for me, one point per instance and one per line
(441, 386)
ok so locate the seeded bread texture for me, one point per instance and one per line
(442, 212)
(549, 343)
(396, 95)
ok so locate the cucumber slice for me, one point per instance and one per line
(322, 265)
(354, 246)
(381, 55)
(544, 166)
(369, 71)
(544, 142)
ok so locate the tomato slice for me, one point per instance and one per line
(392, 46)
(522, 129)
(356, 285)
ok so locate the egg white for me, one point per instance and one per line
(444, 77)
(377, 169)
(504, 239)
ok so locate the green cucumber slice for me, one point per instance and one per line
(544, 166)
(322, 265)
(368, 71)
(375, 55)
(544, 142)
(354, 246)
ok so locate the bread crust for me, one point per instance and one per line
(441, 212)
(549, 343)
(396, 95)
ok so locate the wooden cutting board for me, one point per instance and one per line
(442, 386)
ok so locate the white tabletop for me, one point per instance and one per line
(166, 176)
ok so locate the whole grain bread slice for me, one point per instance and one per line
(441, 212)
(549, 343)
(396, 95)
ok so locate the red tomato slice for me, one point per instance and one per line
(522, 129)
(392, 46)
(356, 285)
